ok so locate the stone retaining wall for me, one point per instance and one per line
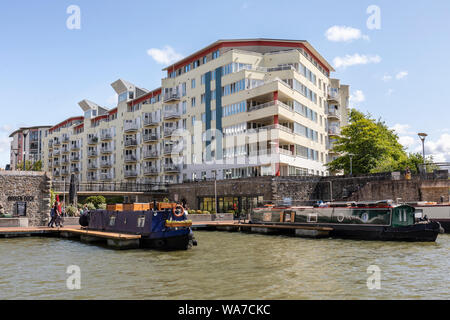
(29, 188)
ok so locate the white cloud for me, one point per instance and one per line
(5, 144)
(112, 100)
(401, 75)
(356, 59)
(344, 34)
(439, 149)
(164, 56)
(356, 98)
(401, 129)
(6, 128)
(386, 78)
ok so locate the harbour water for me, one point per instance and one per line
(227, 266)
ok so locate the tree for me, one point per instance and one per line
(96, 200)
(374, 145)
(37, 166)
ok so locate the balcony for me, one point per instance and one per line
(92, 178)
(93, 140)
(64, 172)
(152, 137)
(334, 131)
(171, 168)
(151, 154)
(65, 161)
(269, 104)
(92, 153)
(75, 158)
(65, 149)
(131, 143)
(172, 114)
(65, 139)
(106, 164)
(106, 149)
(151, 171)
(168, 149)
(169, 131)
(74, 170)
(56, 173)
(56, 153)
(333, 114)
(57, 143)
(75, 147)
(106, 177)
(106, 136)
(130, 158)
(50, 154)
(56, 163)
(150, 121)
(92, 166)
(173, 95)
(333, 95)
(128, 127)
(50, 144)
(130, 173)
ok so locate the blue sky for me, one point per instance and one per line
(402, 74)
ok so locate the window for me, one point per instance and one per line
(202, 98)
(205, 59)
(216, 54)
(183, 107)
(141, 222)
(193, 84)
(193, 120)
(193, 102)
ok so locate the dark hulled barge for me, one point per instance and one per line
(359, 221)
(165, 229)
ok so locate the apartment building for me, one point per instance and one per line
(236, 108)
(27, 145)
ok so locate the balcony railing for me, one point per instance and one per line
(269, 104)
(93, 140)
(64, 172)
(65, 161)
(172, 114)
(151, 170)
(56, 153)
(151, 154)
(75, 170)
(50, 144)
(168, 149)
(56, 173)
(131, 143)
(150, 137)
(92, 153)
(74, 147)
(333, 113)
(172, 95)
(333, 95)
(57, 143)
(150, 121)
(56, 163)
(106, 177)
(92, 178)
(130, 173)
(106, 149)
(65, 149)
(65, 139)
(75, 158)
(334, 131)
(106, 164)
(170, 168)
(130, 127)
(92, 166)
(169, 131)
(130, 158)
(106, 136)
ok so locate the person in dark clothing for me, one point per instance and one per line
(53, 217)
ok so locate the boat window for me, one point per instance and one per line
(141, 222)
(312, 217)
(112, 221)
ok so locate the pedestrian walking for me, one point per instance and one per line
(52, 216)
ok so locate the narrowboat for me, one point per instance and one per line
(380, 220)
(435, 212)
(166, 229)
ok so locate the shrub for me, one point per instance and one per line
(199, 212)
(102, 206)
(90, 206)
(96, 200)
(191, 211)
(206, 212)
(71, 211)
(230, 211)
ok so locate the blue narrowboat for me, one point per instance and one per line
(166, 229)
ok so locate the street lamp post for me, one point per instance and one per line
(422, 137)
(351, 155)
(25, 133)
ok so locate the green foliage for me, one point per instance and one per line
(199, 212)
(52, 197)
(206, 212)
(114, 200)
(37, 166)
(374, 145)
(71, 211)
(96, 200)
(102, 206)
(90, 206)
(165, 200)
(191, 211)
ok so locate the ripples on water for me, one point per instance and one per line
(227, 266)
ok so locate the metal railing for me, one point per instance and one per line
(150, 137)
(151, 154)
(149, 121)
(106, 136)
(59, 187)
(130, 127)
(130, 143)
